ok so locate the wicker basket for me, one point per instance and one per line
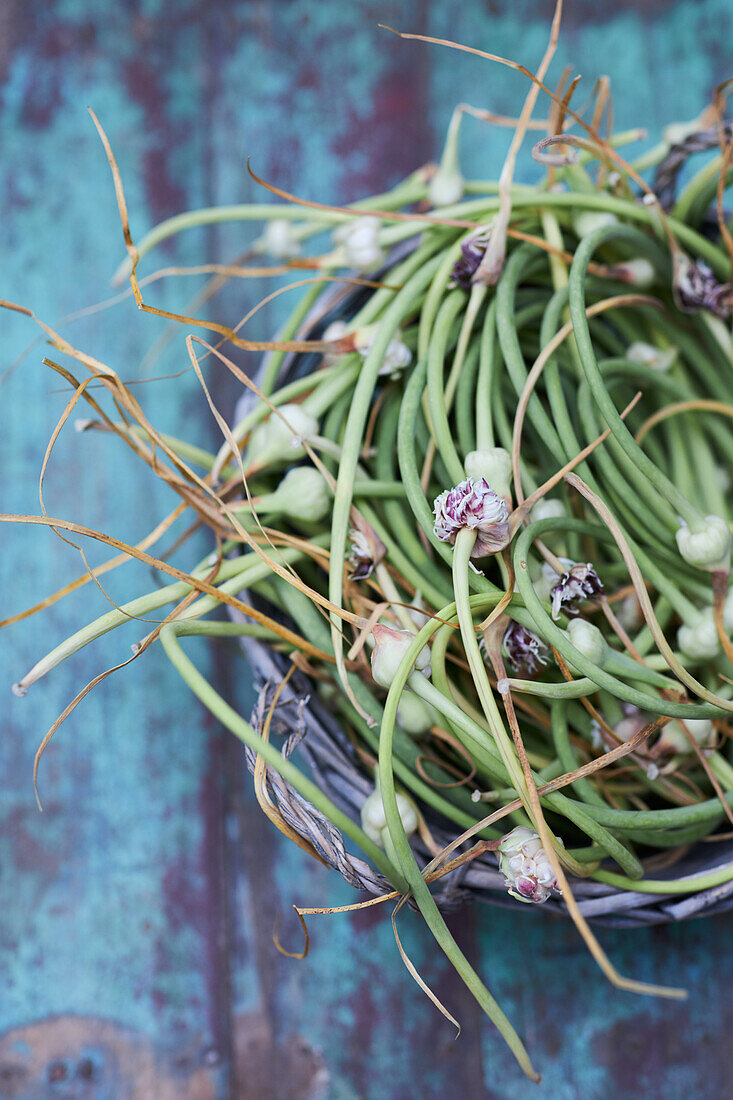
(338, 771)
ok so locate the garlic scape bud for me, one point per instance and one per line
(280, 239)
(494, 465)
(446, 186)
(699, 639)
(588, 640)
(673, 739)
(374, 819)
(638, 272)
(475, 505)
(390, 646)
(358, 243)
(396, 357)
(302, 495)
(657, 358)
(707, 548)
(414, 715)
(587, 221)
(280, 441)
(524, 864)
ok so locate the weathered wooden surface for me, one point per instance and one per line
(137, 911)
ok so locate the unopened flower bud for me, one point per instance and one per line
(374, 819)
(280, 240)
(699, 639)
(587, 221)
(446, 187)
(588, 640)
(548, 508)
(475, 505)
(278, 441)
(524, 864)
(629, 612)
(390, 646)
(638, 272)
(657, 358)
(414, 715)
(494, 465)
(396, 357)
(359, 243)
(708, 548)
(673, 739)
(303, 494)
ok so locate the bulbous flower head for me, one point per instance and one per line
(580, 582)
(374, 819)
(390, 646)
(695, 287)
(472, 253)
(708, 547)
(523, 649)
(475, 505)
(525, 866)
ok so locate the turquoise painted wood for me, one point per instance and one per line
(137, 910)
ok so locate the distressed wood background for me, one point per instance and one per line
(137, 911)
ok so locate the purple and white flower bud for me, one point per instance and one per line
(475, 505)
(359, 243)
(579, 583)
(390, 646)
(525, 866)
(649, 356)
(523, 649)
(544, 581)
(374, 819)
(708, 548)
(695, 287)
(473, 250)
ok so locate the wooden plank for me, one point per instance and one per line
(136, 927)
